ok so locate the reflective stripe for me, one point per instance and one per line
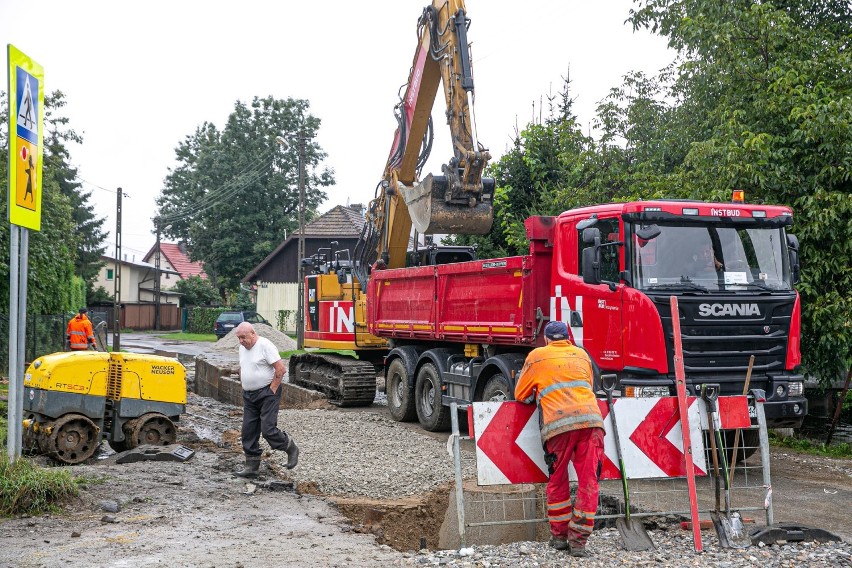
(559, 518)
(593, 419)
(566, 503)
(569, 385)
(581, 528)
(78, 333)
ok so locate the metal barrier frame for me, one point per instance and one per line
(742, 471)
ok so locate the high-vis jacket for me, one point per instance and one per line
(560, 377)
(80, 332)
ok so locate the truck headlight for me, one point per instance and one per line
(646, 392)
(795, 389)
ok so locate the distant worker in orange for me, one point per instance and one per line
(559, 377)
(79, 333)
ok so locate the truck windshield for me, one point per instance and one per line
(712, 258)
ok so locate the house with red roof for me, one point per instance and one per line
(175, 259)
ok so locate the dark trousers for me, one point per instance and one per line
(260, 417)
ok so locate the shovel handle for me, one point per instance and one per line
(608, 384)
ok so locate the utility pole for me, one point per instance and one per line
(157, 279)
(300, 310)
(116, 302)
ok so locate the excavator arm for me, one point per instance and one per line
(457, 202)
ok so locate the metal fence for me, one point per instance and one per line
(45, 334)
(663, 499)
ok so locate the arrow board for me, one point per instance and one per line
(508, 443)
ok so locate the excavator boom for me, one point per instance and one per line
(459, 201)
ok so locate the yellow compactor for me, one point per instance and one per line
(74, 400)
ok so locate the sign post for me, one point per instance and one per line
(26, 130)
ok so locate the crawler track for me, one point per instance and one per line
(344, 380)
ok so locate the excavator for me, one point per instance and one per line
(459, 201)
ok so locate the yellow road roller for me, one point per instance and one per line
(73, 400)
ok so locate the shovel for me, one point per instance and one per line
(633, 533)
(732, 533)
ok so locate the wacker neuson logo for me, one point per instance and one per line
(718, 310)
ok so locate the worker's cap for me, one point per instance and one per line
(83, 310)
(556, 330)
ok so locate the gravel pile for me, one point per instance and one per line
(674, 549)
(334, 447)
(230, 343)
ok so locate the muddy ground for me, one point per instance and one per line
(195, 513)
(192, 513)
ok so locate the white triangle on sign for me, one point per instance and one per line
(26, 109)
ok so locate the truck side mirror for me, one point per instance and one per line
(793, 248)
(592, 236)
(592, 265)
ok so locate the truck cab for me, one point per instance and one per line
(732, 267)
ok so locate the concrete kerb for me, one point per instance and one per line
(218, 377)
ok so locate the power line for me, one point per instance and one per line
(218, 195)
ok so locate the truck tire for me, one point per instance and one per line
(400, 394)
(497, 389)
(432, 414)
(749, 444)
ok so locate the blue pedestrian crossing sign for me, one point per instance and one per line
(26, 129)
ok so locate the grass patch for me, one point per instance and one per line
(813, 447)
(189, 336)
(4, 410)
(26, 489)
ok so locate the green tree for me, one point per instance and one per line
(88, 235)
(765, 103)
(547, 171)
(234, 194)
(197, 292)
(51, 253)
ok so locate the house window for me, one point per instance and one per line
(110, 273)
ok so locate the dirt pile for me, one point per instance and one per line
(230, 343)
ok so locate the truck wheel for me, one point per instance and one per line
(497, 389)
(749, 444)
(400, 395)
(431, 412)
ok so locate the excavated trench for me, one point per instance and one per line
(405, 524)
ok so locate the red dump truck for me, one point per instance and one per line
(460, 332)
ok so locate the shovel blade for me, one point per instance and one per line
(737, 535)
(721, 533)
(633, 535)
(731, 532)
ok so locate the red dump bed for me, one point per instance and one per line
(482, 301)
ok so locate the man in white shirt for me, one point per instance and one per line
(261, 372)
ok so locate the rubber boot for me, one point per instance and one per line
(292, 454)
(251, 467)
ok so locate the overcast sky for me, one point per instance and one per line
(140, 77)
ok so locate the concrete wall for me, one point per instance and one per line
(218, 377)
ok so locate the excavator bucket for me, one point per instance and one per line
(431, 214)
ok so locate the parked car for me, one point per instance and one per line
(232, 318)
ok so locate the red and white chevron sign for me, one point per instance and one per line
(508, 445)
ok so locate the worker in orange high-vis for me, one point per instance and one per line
(559, 376)
(79, 333)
